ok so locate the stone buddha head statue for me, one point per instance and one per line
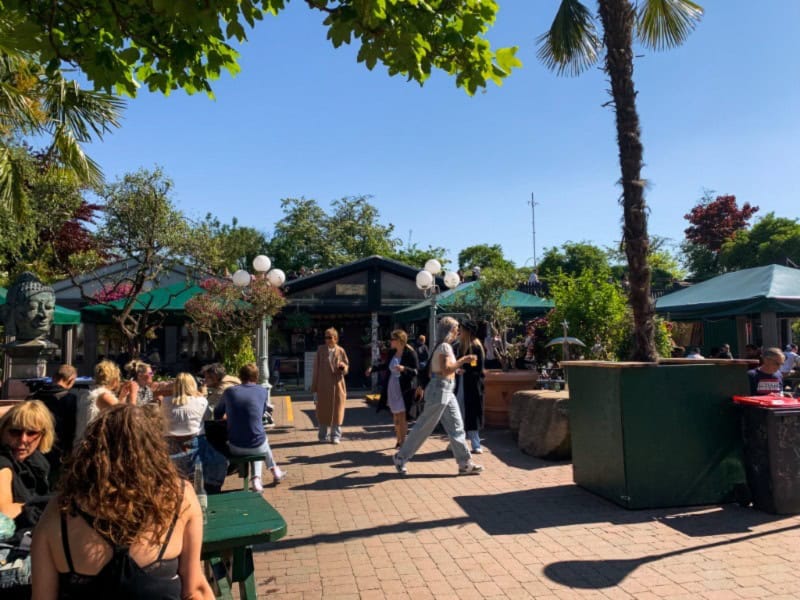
(29, 308)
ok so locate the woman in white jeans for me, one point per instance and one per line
(441, 404)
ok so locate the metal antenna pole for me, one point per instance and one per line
(533, 229)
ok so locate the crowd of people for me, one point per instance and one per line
(105, 476)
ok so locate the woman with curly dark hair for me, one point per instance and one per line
(124, 522)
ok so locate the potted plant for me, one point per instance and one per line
(485, 305)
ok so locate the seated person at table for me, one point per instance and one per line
(26, 431)
(243, 406)
(767, 379)
(107, 381)
(124, 525)
(184, 414)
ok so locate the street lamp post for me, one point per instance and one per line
(426, 281)
(275, 278)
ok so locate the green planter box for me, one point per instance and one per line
(648, 435)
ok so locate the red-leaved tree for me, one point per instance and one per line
(714, 222)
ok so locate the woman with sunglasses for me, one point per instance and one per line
(330, 368)
(26, 433)
(139, 389)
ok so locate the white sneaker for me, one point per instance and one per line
(278, 476)
(399, 464)
(255, 485)
(477, 450)
(470, 469)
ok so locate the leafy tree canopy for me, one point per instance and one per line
(52, 224)
(172, 44)
(232, 246)
(44, 107)
(772, 240)
(415, 256)
(713, 222)
(308, 238)
(572, 259)
(141, 225)
(483, 256)
(665, 266)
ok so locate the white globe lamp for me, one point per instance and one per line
(241, 278)
(262, 263)
(433, 266)
(451, 279)
(424, 280)
(276, 277)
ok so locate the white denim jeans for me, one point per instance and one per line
(256, 465)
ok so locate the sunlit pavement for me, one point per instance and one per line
(522, 529)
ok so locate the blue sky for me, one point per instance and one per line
(303, 119)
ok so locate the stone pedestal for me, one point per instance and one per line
(27, 360)
(541, 420)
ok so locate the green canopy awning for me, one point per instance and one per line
(527, 305)
(170, 299)
(61, 315)
(772, 288)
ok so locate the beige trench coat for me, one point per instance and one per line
(328, 384)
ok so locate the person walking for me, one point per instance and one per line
(398, 389)
(440, 403)
(330, 368)
(469, 383)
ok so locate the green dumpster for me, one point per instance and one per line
(649, 435)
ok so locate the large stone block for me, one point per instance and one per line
(543, 423)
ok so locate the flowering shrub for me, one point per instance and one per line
(113, 291)
(229, 314)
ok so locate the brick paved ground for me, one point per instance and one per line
(520, 530)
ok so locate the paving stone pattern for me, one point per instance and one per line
(522, 529)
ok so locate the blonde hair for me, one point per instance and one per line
(400, 335)
(106, 374)
(33, 415)
(775, 354)
(184, 388)
(331, 331)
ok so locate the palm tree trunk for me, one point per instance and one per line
(618, 18)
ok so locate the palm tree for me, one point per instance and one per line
(571, 46)
(40, 103)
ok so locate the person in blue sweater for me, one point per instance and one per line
(243, 407)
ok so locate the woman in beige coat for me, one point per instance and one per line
(330, 367)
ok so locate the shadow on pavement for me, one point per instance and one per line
(338, 537)
(597, 574)
(346, 482)
(562, 505)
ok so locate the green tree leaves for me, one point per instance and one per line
(182, 44)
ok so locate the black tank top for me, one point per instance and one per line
(121, 577)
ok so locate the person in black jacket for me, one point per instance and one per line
(398, 390)
(469, 382)
(63, 405)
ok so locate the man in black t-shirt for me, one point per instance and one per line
(62, 403)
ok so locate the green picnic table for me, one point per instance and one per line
(237, 521)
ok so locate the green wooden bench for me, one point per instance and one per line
(237, 521)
